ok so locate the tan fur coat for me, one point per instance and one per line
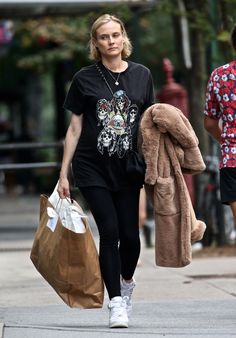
(170, 148)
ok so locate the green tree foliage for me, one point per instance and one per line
(41, 42)
(157, 41)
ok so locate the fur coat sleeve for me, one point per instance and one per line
(170, 148)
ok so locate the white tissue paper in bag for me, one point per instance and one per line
(53, 218)
(70, 213)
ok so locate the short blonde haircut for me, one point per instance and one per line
(105, 18)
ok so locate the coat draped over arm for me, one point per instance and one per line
(170, 149)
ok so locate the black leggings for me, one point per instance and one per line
(116, 216)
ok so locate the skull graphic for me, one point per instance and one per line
(123, 144)
(133, 111)
(103, 110)
(107, 139)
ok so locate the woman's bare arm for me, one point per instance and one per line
(71, 141)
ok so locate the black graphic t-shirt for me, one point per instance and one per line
(111, 115)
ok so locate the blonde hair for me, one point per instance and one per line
(105, 18)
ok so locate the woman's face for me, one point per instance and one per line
(109, 39)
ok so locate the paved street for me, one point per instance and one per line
(195, 301)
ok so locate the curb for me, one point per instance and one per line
(1, 329)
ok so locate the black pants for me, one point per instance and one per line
(116, 216)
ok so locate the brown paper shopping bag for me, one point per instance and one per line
(68, 261)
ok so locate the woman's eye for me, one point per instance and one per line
(102, 37)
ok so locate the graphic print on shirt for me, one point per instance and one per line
(117, 117)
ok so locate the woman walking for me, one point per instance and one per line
(107, 100)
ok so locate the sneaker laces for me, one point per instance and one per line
(117, 308)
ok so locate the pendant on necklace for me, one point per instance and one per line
(116, 83)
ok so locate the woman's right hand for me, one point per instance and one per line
(63, 188)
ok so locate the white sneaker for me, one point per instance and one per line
(126, 290)
(118, 315)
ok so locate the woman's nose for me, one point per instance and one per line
(111, 39)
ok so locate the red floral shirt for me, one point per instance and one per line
(221, 105)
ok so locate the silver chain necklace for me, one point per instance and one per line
(115, 79)
(104, 79)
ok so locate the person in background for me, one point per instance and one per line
(107, 99)
(220, 122)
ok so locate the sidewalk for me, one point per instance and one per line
(195, 301)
